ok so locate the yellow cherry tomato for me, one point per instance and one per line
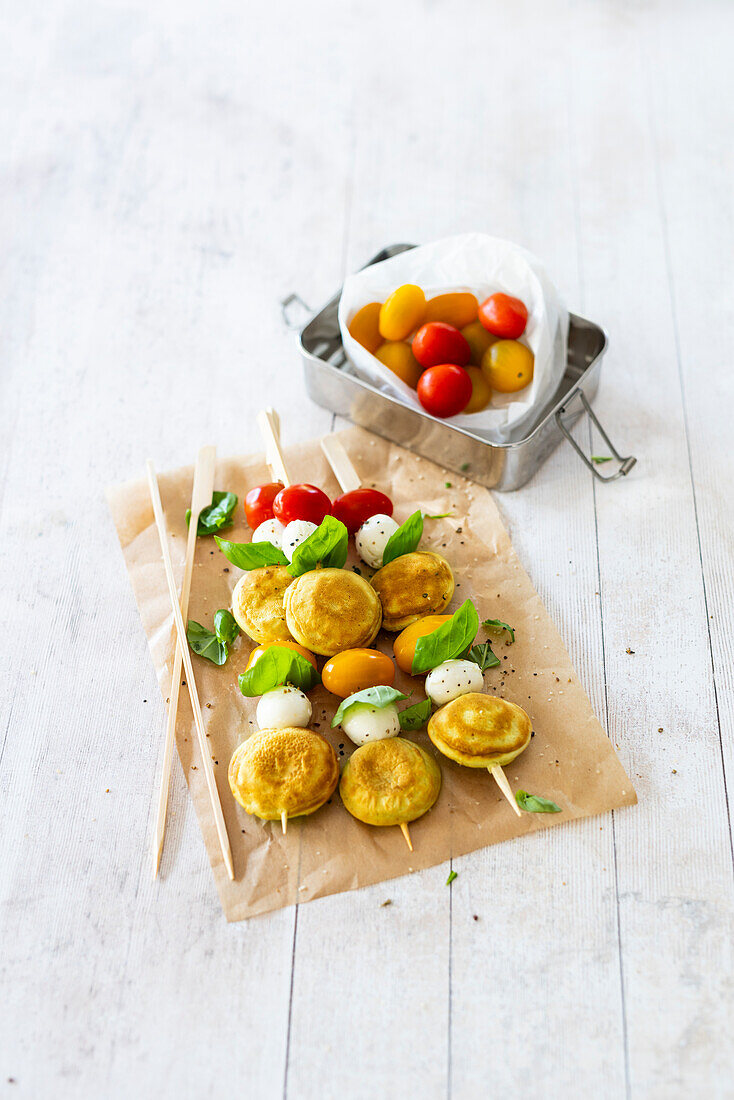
(458, 309)
(259, 650)
(365, 326)
(481, 392)
(403, 312)
(404, 645)
(357, 669)
(397, 356)
(478, 340)
(508, 366)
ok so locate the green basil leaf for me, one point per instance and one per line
(206, 644)
(405, 539)
(216, 515)
(448, 640)
(251, 555)
(496, 626)
(536, 804)
(376, 697)
(415, 717)
(327, 545)
(225, 626)
(598, 459)
(452, 876)
(438, 515)
(483, 656)
(278, 665)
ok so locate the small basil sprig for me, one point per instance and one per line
(405, 539)
(448, 640)
(278, 665)
(438, 515)
(415, 717)
(213, 646)
(375, 696)
(483, 656)
(536, 804)
(496, 626)
(327, 545)
(599, 459)
(251, 555)
(216, 515)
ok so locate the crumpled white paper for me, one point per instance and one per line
(483, 265)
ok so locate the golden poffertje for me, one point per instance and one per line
(480, 731)
(257, 603)
(413, 585)
(389, 782)
(277, 772)
(330, 610)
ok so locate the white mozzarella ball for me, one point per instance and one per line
(269, 531)
(294, 533)
(281, 707)
(451, 679)
(363, 723)
(372, 538)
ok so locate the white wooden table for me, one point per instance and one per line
(170, 172)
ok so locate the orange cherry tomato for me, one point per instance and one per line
(457, 309)
(404, 645)
(478, 340)
(357, 669)
(398, 357)
(402, 312)
(259, 650)
(365, 326)
(508, 366)
(481, 391)
(504, 316)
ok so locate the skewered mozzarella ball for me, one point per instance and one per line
(451, 679)
(363, 723)
(282, 707)
(294, 533)
(372, 538)
(271, 530)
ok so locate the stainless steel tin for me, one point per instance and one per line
(330, 382)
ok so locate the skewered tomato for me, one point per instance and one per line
(356, 669)
(365, 326)
(405, 643)
(402, 312)
(355, 507)
(259, 502)
(397, 356)
(444, 390)
(481, 391)
(260, 649)
(504, 316)
(301, 502)
(478, 340)
(508, 366)
(437, 342)
(457, 309)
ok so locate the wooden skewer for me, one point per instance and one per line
(341, 463)
(155, 496)
(284, 821)
(269, 424)
(406, 834)
(501, 780)
(201, 497)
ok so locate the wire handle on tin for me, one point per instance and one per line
(626, 463)
(291, 307)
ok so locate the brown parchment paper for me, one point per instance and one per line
(570, 759)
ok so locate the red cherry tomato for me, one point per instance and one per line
(301, 502)
(259, 502)
(438, 342)
(354, 507)
(503, 316)
(444, 390)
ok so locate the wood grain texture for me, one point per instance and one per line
(169, 176)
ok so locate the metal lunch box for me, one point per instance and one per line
(332, 383)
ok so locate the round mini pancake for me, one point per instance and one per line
(412, 586)
(480, 731)
(389, 782)
(257, 603)
(328, 610)
(289, 770)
